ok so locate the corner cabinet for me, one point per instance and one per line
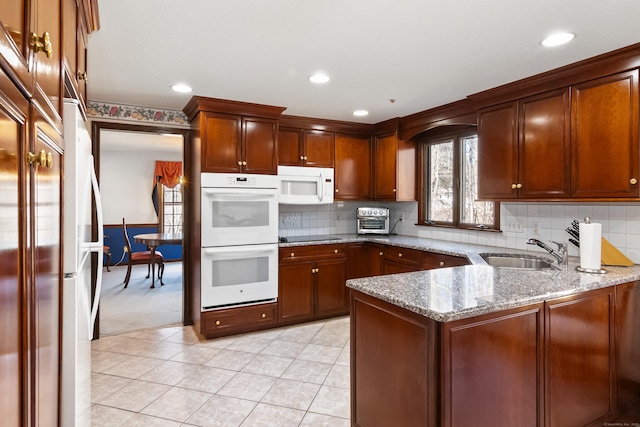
(524, 149)
(235, 137)
(605, 137)
(394, 172)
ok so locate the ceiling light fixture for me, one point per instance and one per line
(557, 39)
(360, 113)
(181, 88)
(319, 78)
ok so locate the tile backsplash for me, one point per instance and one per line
(519, 222)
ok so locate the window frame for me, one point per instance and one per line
(438, 136)
(161, 206)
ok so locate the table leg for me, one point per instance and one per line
(153, 265)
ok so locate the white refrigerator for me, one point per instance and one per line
(78, 309)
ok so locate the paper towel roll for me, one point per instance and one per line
(590, 246)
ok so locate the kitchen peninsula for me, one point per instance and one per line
(477, 345)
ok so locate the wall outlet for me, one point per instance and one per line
(515, 226)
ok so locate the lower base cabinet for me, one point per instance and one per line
(237, 320)
(568, 362)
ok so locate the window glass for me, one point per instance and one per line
(472, 211)
(441, 182)
(172, 209)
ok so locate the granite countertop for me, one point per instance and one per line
(455, 293)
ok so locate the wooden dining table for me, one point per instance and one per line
(152, 241)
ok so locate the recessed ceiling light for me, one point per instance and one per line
(557, 39)
(360, 113)
(181, 88)
(319, 78)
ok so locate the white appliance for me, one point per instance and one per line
(78, 309)
(239, 237)
(305, 186)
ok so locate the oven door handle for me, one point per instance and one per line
(239, 250)
(214, 195)
(321, 195)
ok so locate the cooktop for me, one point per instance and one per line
(297, 239)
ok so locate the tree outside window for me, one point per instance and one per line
(450, 184)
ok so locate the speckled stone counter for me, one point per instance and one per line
(461, 292)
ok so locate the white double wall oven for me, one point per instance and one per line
(239, 235)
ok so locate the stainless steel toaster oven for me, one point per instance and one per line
(372, 220)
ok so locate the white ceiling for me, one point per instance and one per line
(422, 53)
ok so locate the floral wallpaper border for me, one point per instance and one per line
(135, 113)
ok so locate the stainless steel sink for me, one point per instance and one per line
(524, 262)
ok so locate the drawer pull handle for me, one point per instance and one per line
(292, 254)
(263, 315)
(42, 44)
(381, 253)
(335, 251)
(217, 323)
(441, 263)
(400, 255)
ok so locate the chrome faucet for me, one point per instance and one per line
(562, 255)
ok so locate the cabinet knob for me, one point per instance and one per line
(217, 323)
(441, 263)
(633, 181)
(394, 190)
(41, 159)
(263, 315)
(335, 251)
(82, 76)
(519, 186)
(41, 44)
(239, 163)
(337, 190)
(292, 254)
(301, 157)
(513, 186)
(400, 255)
(381, 253)
(305, 158)
(244, 163)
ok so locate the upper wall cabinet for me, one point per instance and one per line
(235, 137)
(394, 172)
(305, 147)
(75, 51)
(604, 129)
(353, 167)
(524, 148)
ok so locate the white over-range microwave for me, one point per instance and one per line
(305, 185)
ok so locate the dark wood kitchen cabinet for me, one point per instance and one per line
(305, 147)
(217, 323)
(78, 20)
(312, 282)
(394, 171)
(433, 260)
(365, 259)
(235, 137)
(524, 148)
(401, 260)
(352, 167)
(627, 303)
(605, 137)
(579, 359)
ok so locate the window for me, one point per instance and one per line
(171, 209)
(450, 183)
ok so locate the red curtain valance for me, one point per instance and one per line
(170, 173)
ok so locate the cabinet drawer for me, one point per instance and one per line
(434, 260)
(241, 319)
(313, 252)
(403, 255)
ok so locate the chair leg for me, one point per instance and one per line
(108, 261)
(126, 278)
(161, 273)
(148, 270)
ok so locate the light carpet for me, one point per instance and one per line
(138, 306)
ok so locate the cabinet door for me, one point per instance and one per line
(491, 369)
(259, 146)
(290, 147)
(604, 136)
(364, 260)
(46, 205)
(392, 267)
(544, 148)
(331, 290)
(14, 40)
(353, 168)
(386, 149)
(579, 359)
(13, 302)
(48, 90)
(628, 345)
(318, 148)
(498, 152)
(221, 139)
(295, 292)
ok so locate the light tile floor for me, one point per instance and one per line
(291, 376)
